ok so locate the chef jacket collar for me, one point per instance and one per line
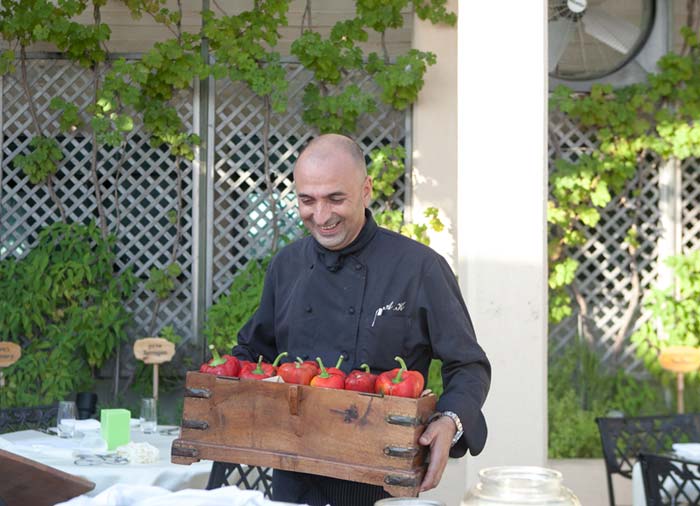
(333, 259)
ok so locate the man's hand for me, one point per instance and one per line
(438, 435)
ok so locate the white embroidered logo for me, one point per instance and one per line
(391, 306)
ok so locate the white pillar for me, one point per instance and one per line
(501, 214)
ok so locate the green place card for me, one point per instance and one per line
(115, 427)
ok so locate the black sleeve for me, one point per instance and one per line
(466, 372)
(257, 336)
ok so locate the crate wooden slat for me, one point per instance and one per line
(342, 434)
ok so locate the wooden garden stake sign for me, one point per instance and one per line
(680, 360)
(154, 351)
(9, 354)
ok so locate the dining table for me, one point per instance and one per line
(77, 457)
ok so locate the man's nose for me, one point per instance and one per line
(322, 213)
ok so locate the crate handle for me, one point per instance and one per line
(293, 397)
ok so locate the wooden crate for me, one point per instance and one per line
(366, 438)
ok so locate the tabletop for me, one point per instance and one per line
(60, 454)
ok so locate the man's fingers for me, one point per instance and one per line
(438, 436)
(427, 436)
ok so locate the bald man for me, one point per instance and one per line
(369, 294)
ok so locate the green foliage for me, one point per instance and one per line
(26, 23)
(679, 317)
(42, 161)
(581, 388)
(162, 281)
(654, 117)
(239, 45)
(231, 312)
(385, 168)
(64, 304)
(401, 82)
(336, 113)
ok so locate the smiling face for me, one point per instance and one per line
(333, 190)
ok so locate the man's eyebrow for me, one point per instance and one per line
(329, 196)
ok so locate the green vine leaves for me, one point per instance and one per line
(654, 118)
(678, 315)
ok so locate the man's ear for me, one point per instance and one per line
(367, 191)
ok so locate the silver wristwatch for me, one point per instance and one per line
(456, 420)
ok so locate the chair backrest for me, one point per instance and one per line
(37, 417)
(624, 438)
(244, 477)
(668, 480)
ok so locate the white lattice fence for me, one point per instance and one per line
(138, 192)
(139, 183)
(603, 278)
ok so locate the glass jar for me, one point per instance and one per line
(501, 486)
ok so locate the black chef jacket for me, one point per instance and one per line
(388, 295)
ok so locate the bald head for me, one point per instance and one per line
(326, 148)
(333, 190)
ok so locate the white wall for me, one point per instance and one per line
(488, 177)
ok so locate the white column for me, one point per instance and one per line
(435, 134)
(502, 184)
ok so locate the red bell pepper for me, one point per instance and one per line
(221, 366)
(313, 365)
(326, 379)
(297, 372)
(361, 381)
(400, 382)
(336, 369)
(261, 370)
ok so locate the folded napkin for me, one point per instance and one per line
(83, 425)
(687, 450)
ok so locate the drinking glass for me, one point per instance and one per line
(65, 419)
(149, 417)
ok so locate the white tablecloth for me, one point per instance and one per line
(58, 453)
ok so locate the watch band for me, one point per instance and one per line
(455, 418)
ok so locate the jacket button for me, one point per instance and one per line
(307, 309)
(358, 267)
(351, 310)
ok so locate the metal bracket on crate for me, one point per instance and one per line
(403, 420)
(401, 481)
(200, 393)
(195, 424)
(401, 452)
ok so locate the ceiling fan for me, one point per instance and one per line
(592, 39)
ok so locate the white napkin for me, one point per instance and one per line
(83, 425)
(687, 450)
(139, 495)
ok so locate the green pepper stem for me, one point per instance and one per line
(218, 359)
(398, 378)
(278, 358)
(365, 367)
(340, 361)
(259, 369)
(324, 373)
(298, 362)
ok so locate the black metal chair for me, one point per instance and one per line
(223, 474)
(623, 439)
(669, 480)
(37, 417)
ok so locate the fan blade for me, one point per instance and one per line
(558, 38)
(617, 33)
